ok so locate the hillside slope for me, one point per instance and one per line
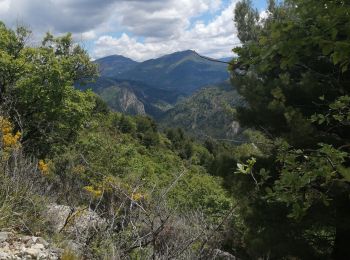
(133, 97)
(209, 112)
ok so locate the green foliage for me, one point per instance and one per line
(246, 168)
(104, 152)
(126, 125)
(208, 112)
(180, 143)
(295, 82)
(246, 20)
(20, 204)
(38, 85)
(100, 106)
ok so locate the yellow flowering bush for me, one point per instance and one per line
(43, 167)
(9, 140)
(137, 196)
(95, 193)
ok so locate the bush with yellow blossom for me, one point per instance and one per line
(9, 140)
(95, 193)
(43, 167)
(137, 196)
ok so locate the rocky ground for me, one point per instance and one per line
(14, 246)
(74, 224)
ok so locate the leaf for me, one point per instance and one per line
(241, 168)
(334, 33)
(268, 190)
(345, 172)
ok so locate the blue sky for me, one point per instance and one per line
(260, 5)
(139, 29)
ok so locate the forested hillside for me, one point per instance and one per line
(208, 113)
(268, 179)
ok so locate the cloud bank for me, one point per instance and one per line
(139, 29)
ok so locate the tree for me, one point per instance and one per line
(37, 85)
(126, 125)
(296, 84)
(12, 59)
(246, 19)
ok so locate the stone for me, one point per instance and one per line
(73, 221)
(43, 241)
(57, 216)
(224, 255)
(38, 246)
(15, 246)
(4, 236)
(4, 255)
(5, 247)
(32, 252)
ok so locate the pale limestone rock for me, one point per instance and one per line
(73, 221)
(4, 236)
(15, 246)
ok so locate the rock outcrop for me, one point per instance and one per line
(130, 104)
(73, 221)
(77, 224)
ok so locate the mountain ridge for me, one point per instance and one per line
(183, 71)
(154, 86)
(114, 65)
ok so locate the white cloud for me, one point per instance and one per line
(148, 28)
(4, 6)
(58, 16)
(215, 39)
(263, 15)
(89, 35)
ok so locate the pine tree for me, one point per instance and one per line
(296, 84)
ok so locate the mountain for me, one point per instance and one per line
(122, 99)
(133, 97)
(182, 71)
(208, 112)
(112, 66)
(154, 86)
(226, 59)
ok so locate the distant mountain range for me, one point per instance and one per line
(152, 87)
(181, 71)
